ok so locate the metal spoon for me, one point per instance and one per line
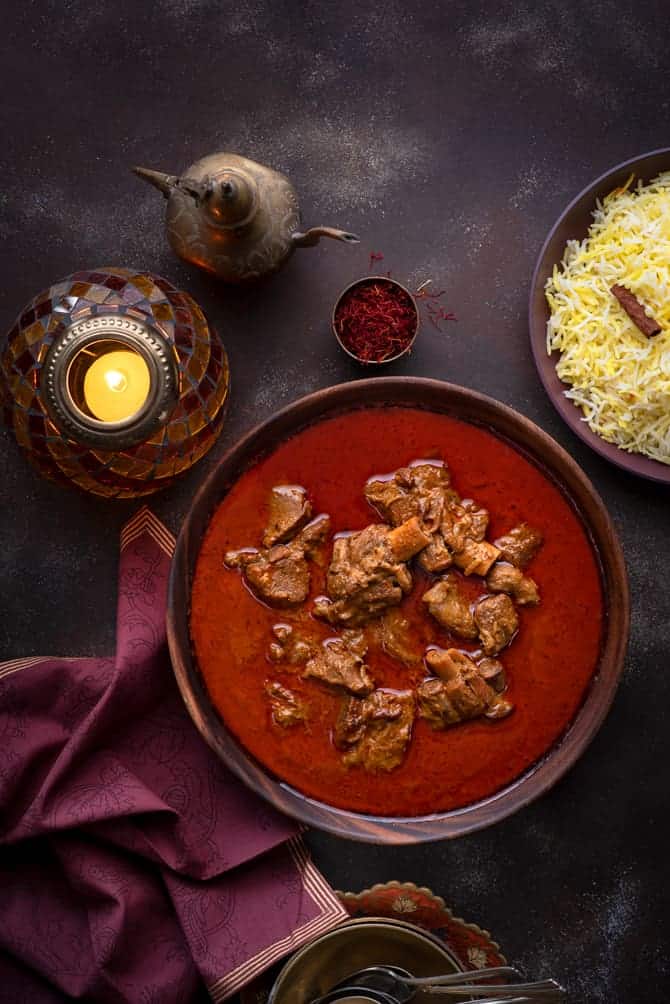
(402, 986)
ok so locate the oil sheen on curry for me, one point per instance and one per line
(396, 612)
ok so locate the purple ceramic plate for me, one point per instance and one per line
(573, 224)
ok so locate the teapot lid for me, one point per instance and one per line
(230, 198)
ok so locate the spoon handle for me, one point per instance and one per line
(547, 991)
(507, 1000)
(550, 986)
(463, 977)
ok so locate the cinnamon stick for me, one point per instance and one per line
(630, 303)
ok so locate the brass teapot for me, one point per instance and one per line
(233, 217)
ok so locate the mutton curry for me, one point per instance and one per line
(396, 612)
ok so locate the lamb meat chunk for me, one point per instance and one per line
(507, 578)
(476, 557)
(434, 704)
(391, 501)
(461, 701)
(279, 575)
(288, 646)
(436, 557)
(397, 640)
(463, 529)
(355, 641)
(450, 608)
(417, 490)
(364, 605)
(286, 708)
(493, 672)
(496, 621)
(444, 704)
(449, 663)
(290, 509)
(338, 666)
(368, 573)
(477, 517)
(429, 483)
(313, 535)
(358, 560)
(421, 490)
(520, 545)
(374, 731)
(496, 706)
(425, 475)
(463, 520)
(241, 558)
(465, 692)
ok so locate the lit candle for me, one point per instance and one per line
(116, 385)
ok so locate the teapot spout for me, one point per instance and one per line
(163, 182)
(312, 236)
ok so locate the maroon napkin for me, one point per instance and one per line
(133, 866)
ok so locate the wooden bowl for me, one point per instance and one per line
(573, 224)
(555, 464)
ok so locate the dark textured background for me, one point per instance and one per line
(449, 136)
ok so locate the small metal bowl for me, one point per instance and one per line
(353, 945)
(368, 280)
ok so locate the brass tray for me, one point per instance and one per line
(450, 944)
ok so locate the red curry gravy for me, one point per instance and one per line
(548, 665)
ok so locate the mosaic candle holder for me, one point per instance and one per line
(46, 379)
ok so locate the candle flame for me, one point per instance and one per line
(116, 380)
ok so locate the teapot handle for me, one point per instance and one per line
(312, 236)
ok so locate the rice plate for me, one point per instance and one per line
(619, 378)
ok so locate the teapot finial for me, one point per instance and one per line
(231, 200)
